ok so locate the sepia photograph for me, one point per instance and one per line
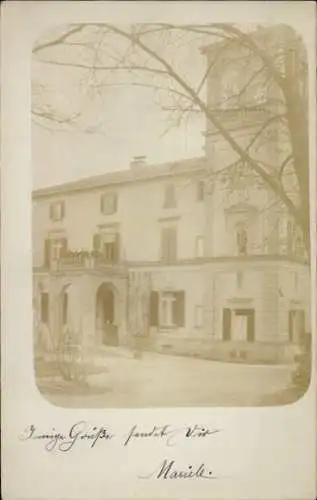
(171, 215)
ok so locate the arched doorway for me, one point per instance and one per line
(106, 327)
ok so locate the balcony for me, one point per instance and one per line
(87, 261)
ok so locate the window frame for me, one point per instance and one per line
(200, 239)
(112, 207)
(175, 300)
(53, 206)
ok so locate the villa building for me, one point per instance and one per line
(198, 256)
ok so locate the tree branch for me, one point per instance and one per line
(59, 40)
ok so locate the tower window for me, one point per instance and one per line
(242, 241)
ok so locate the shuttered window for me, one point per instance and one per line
(154, 308)
(54, 249)
(172, 309)
(57, 210)
(109, 203)
(108, 244)
(226, 324)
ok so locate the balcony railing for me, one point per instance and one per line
(87, 261)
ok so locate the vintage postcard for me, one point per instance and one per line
(158, 250)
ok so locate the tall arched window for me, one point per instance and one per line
(242, 241)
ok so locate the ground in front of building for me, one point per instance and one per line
(158, 380)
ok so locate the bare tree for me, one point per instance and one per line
(270, 65)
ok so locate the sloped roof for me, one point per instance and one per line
(135, 174)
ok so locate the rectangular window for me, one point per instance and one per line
(107, 245)
(57, 210)
(172, 309)
(169, 196)
(199, 316)
(54, 249)
(169, 244)
(200, 190)
(110, 247)
(44, 307)
(199, 247)
(58, 248)
(108, 203)
(109, 251)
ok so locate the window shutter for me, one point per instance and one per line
(226, 324)
(117, 248)
(96, 242)
(154, 308)
(62, 209)
(179, 309)
(63, 247)
(251, 326)
(47, 252)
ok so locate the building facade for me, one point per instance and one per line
(147, 252)
(198, 257)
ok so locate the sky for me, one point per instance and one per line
(116, 124)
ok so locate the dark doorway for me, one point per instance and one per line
(238, 325)
(105, 316)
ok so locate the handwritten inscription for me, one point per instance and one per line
(80, 431)
(169, 434)
(83, 432)
(168, 469)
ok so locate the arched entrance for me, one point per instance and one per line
(106, 321)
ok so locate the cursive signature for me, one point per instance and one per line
(79, 432)
(169, 470)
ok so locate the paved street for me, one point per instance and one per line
(159, 380)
